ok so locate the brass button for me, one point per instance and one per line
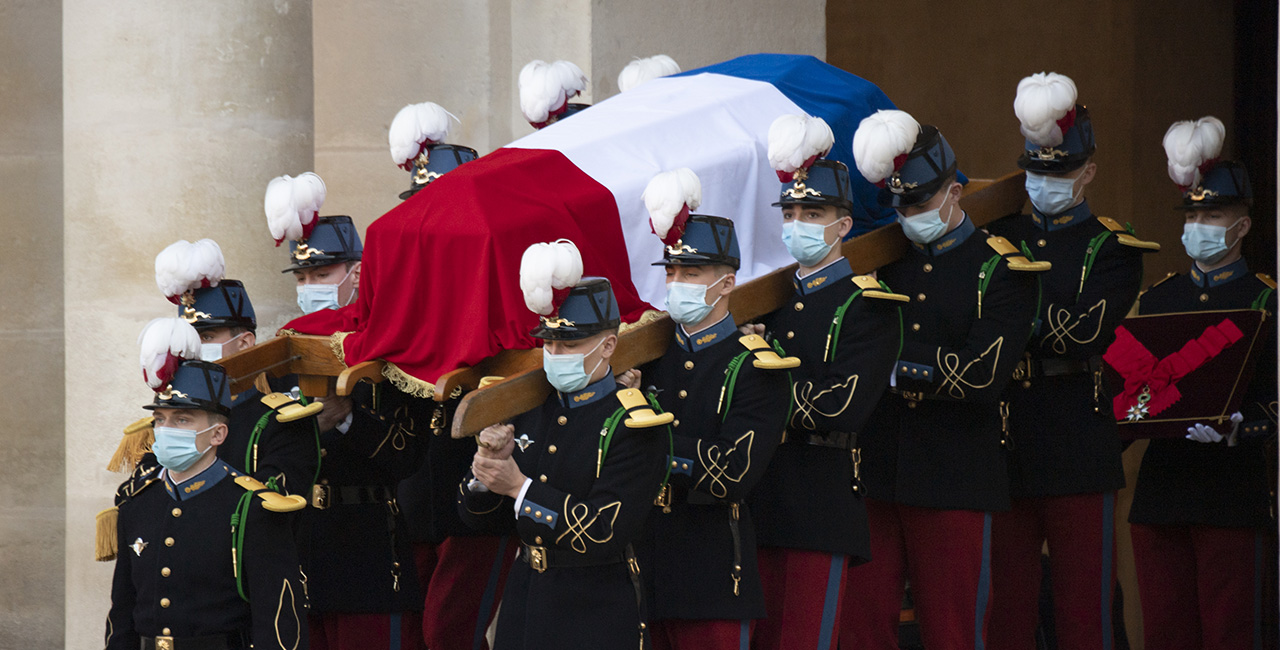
(915, 371)
(1204, 297)
(791, 335)
(168, 541)
(674, 464)
(542, 478)
(538, 540)
(688, 365)
(1041, 243)
(684, 466)
(551, 449)
(562, 420)
(683, 394)
(164, 572)
(324, 481)
(799, 306)
(911, 405)
(928, 267)
(324, 452)
(164, 602)
(548, 517)
(166, 631)
(915, 327)
(527, 509)
(920, 297)
(538, 514)
(1026, 384)
(177, 512)
(675, 423)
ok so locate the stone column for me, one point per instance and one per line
(175, 118)
(31, 496)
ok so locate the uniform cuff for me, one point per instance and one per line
(520, 497)
(345, 424)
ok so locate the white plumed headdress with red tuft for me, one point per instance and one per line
(1192, 147)
(669, 197)
(882, 142)
(546, 88)
(795, 141)
(415, 127)
(184, 266)
(1046, 107)
(547, 271)
(165, 343)
(642, 70)
(292, 205)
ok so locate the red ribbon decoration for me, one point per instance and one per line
(1142, 371)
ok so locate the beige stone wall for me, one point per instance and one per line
(31, 443)
(174, 122)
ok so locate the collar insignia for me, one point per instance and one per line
(193, 487)
(582, 397)
(703, 340)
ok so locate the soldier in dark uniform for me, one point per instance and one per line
(575, 484)
(933, 462)
(698, 549)
(358, 557)
(461, 571)
(1202, 529)
(207, 555)
(846, 331)
(279, 449)
(1064, 452)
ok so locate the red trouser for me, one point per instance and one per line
(945, 554)
(1200, 587)
(335, 631)
(462, 579)
(803, 591)
(1080, 529)
(686, 634)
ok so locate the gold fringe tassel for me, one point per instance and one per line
(335, 344)
(104, 546)
(136, 442)
(407, 383)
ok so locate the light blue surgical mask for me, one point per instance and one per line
(807, 242)
(926, 226)
(1206, 244)
(567, 372)
(1052, 195)
(314, 297)
(213, 351)
(175, 448)
(687, 301)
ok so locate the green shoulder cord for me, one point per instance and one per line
(731, 381)
(1260, 303)
(984, 278)
(1026, 252)
(238, 520)
(833, 332)
(250, 455)
(611, 425)
(1090, 256)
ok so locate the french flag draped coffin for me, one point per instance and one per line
(439, 286)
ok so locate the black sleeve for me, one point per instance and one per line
(120, 633)
(728, 464)
(485, 511)
(384, 431)
(979, 368)
(843, 395)
(290, 453)
(273, 581)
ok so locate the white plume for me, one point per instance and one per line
(183, 265)
(881, 137)
(642, 70)
(1043, 99)
(293, 203)
(414, 126)
(164, 343)
(546, 267)
(545, 87)
(1189, 144)
(667, 194)
(794, 139)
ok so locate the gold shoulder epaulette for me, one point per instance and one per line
(288, 409)
(766, 358)
(1124, 237)
(1267, 280)
(872, 289)
(271, 500)
(640, 413)
(1011, 254)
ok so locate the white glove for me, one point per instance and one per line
(1207, 434)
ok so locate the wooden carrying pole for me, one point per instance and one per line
(524, 386)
